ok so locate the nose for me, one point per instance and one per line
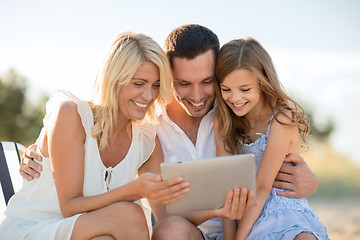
(149, 94)
(196, 93)
(235, 96)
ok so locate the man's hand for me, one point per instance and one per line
(298, 179)
(237, 203)
(29, 169)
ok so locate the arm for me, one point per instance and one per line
(67, 162)
(161, 192)
(282, 139)
(298, 179)
(229, 225)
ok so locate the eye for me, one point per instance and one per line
(138, 84)
(183, 84)
(245, 90)
(208, 81)
(156, 85)
(225, 89)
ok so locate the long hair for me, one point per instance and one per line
(127, 53)
(249, 54)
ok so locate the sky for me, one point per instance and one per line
(315, 45)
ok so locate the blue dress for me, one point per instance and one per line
(282, 218)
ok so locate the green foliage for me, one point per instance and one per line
(20, 118)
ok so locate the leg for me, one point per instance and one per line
(122, 220)
(176, 228)
(305, 236)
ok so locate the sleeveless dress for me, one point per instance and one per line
(34, 211)
(282, 218)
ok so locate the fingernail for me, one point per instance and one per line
(39, 168)
(37, 175)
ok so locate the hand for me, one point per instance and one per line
(152, 187)
(237, 203)
(298, 179)
(29, 169)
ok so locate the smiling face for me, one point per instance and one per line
(241, 92)
(193, 83)
(135, 98)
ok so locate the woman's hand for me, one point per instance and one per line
(152, 187)
(29, 169)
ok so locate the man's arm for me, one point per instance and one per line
(298, 179)
(29, 169)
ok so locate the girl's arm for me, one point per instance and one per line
(229, 225)
(281, 137)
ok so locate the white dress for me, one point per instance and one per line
(34, 212)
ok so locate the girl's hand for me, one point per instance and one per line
(237, 203)
(152, 187)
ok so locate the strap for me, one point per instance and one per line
(6, 184)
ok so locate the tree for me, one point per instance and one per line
(20, 118)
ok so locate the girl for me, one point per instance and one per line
(92, 152)
(256, 116)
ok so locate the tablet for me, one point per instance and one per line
(210, 180)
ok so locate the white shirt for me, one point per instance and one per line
(177, 147)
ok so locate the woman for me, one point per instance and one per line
(93, 150)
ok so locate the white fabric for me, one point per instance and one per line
(177, 147)
(34, 212)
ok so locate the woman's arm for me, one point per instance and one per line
(279, 142)
(160, 192)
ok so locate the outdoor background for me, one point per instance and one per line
(47, 45)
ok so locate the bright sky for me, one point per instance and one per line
(315, 45)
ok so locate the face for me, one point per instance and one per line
(241, 92)
(193, 82)
(135, 98)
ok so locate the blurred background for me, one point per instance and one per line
(315, 45)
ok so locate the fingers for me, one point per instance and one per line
(242, 205)
(24, 174)
(284, 177)
(283, 185)
(250, 201)
(30, 152)
(169, 191)
(288, 194)
(296, 159)
(287, 169)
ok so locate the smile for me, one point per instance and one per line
(197, 104)
(239, 105)
(140, 104)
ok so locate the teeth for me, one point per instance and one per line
(240, 105)
(197, 104)
(140, 104)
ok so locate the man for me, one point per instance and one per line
(186, 132)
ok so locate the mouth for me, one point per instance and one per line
(141, 105)
(239, 106)
(197, 106)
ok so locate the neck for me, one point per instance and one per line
(180, 117)
(262, 112)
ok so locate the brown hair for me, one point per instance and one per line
(249, 54)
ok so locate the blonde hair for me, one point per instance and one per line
(127, 53)
(249, 54)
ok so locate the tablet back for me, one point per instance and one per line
(210, 180)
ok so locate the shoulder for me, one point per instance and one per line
(284, 117)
